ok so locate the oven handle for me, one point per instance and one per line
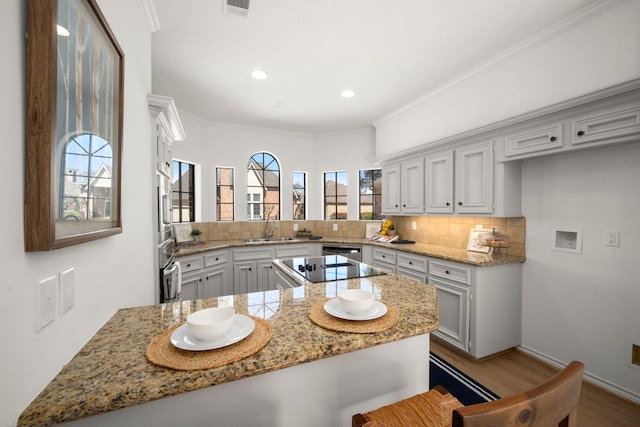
(178, 294)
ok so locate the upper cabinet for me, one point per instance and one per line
(439, 183)
(403, 187)
(474, 178)
(606, 126)
(167, 129)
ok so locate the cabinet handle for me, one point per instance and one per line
(188, 265)
(446, 272)
(448, 204)
(580, 132)
(396, 206)
(404, 206)
(217, 258)
(459, 203)
(410, 263)
(553, 138)
(249, 268)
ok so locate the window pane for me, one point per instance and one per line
(335, 195)
(183, 192)
(299, 186)
(263, 187)
(370, 194)
(224, 194)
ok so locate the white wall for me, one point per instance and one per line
(111, 273)
(598, 54)
(584, 306)
(212, 145)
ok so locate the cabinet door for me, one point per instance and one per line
(412, 186)
(266, 276)
(245, 277)
(439, 183)
(214, 282)
(190, 285)
(535, 141)
(612, 124)
(391, 188)
(453, 313)
(474, 178)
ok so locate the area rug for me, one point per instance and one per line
(465, 389)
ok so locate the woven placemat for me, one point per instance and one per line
(161, 352)
(321, 318)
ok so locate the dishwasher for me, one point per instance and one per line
(350, 251)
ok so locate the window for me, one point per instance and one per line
(85, 187)
(263, 187)
(299, 180)
(335, 195)
(224, 194)
(371, 194)
(183, 192)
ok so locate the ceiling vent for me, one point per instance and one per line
(236, 7)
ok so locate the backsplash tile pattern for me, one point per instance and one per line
(449, 231)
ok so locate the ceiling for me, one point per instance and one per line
(389, 52)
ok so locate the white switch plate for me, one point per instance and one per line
(46, 305)
(335, 227)
(67, 290)
(295, 227)
(414, 226)
(612, 238)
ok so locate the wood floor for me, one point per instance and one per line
(513, 372)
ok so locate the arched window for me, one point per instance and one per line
(85, 184)
(263, 187)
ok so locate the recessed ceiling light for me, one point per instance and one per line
(62, 31)
(348, 93)
(259, 74)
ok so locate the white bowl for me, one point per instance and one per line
(356, 301)
(210, 324)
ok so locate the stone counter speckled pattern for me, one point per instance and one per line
(452, 254)
(111, 372)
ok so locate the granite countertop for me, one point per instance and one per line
(451, 254)
(111, 371)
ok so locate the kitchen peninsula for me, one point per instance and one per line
(305, 374)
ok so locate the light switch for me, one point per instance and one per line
(335, 227)
(295, 227)
(46, 305)
(67, 290)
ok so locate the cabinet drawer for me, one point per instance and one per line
(614, 124)
(384, 256)
(252, 254)
(215, 258)
(412, 262)
(535, 141)
(450, 272)
(191, 264)
(293, 251)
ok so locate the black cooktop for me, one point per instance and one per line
(330, 267)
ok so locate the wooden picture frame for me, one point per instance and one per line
(75, 93)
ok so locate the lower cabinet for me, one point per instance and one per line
(480, 308)
(206, 276)
(384, 259)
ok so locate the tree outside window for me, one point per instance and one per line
(263, 187)
(299, 184)
(371, 194)
(335, 195)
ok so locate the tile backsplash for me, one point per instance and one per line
(449, 231)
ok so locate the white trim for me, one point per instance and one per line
(154, 22)
(561, 27)
(595, 380)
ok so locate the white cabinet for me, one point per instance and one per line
(439, 183)
(607, 125)
(412, 266)
(385, 259)
(206, 275)
(480, 308)
(403, 187)
(391, 188)
(474, 178)
(539, 140)
(250, 269)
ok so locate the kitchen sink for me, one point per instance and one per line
(271, 240)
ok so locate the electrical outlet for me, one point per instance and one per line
(295, 227)
(612, 238)
(335, 227)
(276, 224)
(67, 290)
(46, 304)
(414, 226)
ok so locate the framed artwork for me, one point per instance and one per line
(75, 90)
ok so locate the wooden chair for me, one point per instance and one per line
(553, 403)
